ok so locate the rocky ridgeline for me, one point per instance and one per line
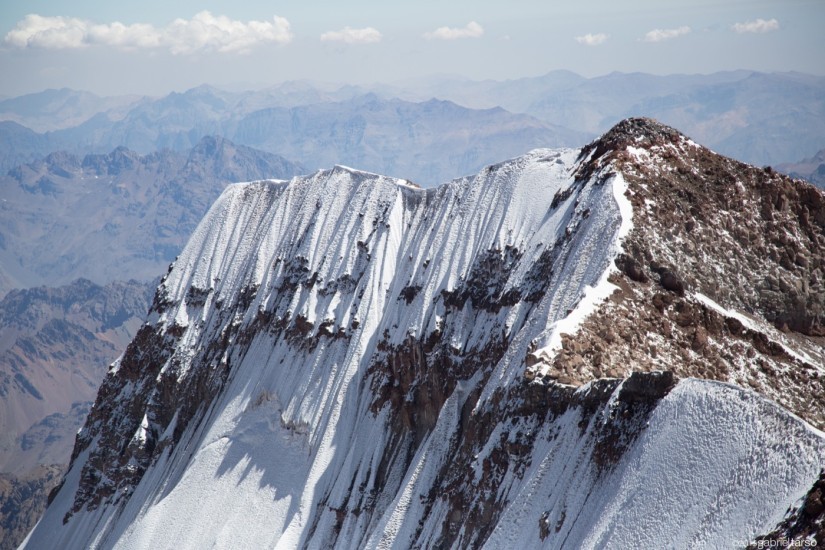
(749, 239)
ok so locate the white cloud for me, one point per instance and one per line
(204, 32)
(472, 30)
(591, 39)
(760, 25)
(48, 32)
(349, 35)
(137, 36)
(657, 35)
(207, 32)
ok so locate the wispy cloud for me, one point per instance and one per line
(760, 25)
(349, 35)
(658, 35)
(204, 32)
(472, 30)
(591, 39)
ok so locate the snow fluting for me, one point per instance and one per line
(346, 360)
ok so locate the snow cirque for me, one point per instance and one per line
(341, 361)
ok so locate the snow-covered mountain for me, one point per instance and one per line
(573, 348)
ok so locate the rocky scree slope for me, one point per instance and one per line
(378, 366)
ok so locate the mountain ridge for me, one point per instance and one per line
(394, 366)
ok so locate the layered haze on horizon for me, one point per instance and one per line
(155, 47)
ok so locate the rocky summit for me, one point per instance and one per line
(615, 346)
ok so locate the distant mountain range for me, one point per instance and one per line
(811, 169)
(754, 117)
(56, 109)
(760, 118)
(428, 142)
(107, 217)
(118, 215)
(55, 345)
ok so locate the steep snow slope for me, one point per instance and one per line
(340, 361)
(681, 485)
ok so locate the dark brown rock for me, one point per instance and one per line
(814, 503)
(632, 268)
(672, 282)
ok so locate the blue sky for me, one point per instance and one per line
(154, 47)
